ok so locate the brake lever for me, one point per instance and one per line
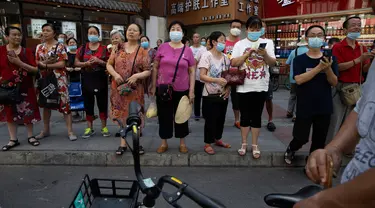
(173, 198)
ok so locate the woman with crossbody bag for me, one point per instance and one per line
(215, 92)
(173, 77)
(51, 57)
(129, 66)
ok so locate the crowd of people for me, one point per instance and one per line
(129, 69)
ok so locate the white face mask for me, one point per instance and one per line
(235, 32)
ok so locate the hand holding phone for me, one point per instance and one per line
(327, 54)
(263, 45)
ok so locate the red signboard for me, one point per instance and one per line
(282, 8)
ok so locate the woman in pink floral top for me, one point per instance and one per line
(49, 62)
(17, 68)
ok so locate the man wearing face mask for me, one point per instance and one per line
(232, 39)
(314, 75)
(62, 39)
(196, 47)
(353, 61)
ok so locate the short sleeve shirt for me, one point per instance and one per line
(257, 71)
(168, 58)
(364, 157)
(94, 78)
(345, 53)
(314, 96)
(214, 68)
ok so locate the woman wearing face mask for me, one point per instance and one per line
(129, 66)
(215, 91)
(92, 58)
(145, 43)
(17, 68)
(73, 72)
(203, 41)
(51, 57)
(163, 72)
(255, 60)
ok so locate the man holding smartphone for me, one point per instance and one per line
(353, 61)
(314, 75)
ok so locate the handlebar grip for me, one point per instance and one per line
(201, 199)
(133, 109)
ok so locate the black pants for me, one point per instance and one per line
(234, 98)
(251, 108)
(301, 132)
(166, 114)
(198, 97)
(214, 115)
(101, 100)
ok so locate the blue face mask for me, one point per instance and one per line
(175, 36)
(60, 40)
(263, 31)
(354, 35)
(145, 44)
(203, 43)
(72, 47)
(254, 36)
(220, 47)
(315, 42)
(93, 38)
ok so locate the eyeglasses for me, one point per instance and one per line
(316, 36)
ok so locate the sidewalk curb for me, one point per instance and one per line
(106, 158)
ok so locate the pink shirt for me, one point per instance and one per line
(168, 57)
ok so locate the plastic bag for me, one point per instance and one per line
(152, 110)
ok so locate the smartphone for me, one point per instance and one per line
(263, 45)
(328, 54)
(11, 53)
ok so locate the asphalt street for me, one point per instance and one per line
(55, 186)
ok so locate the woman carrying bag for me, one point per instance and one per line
(215, 91)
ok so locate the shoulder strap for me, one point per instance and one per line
(361, 71)
(135, 59)
(178, 62)
(296, 52)
(57, 45)
(82, 52)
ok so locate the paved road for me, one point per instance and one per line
(54, 187)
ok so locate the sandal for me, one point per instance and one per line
(11, 144)
(42, 135)
(209, 150)
(242, 151)
(271, 127)
(33, 141)
(255, 151)
(220, 143)
(121, 150)
(162, 149)
(183, 149)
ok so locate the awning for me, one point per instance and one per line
(103, 4)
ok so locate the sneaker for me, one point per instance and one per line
(289, 156)
(105, 132)
(88, 133)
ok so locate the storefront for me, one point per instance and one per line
(206, 16)
(287, 20)
(73, 16)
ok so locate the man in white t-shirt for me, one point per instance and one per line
(196, 47)
(254, 55)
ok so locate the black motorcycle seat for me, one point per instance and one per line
(288, 200)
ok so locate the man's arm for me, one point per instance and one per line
(358, 193)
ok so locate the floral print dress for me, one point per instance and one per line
(123, 62)
(43, 53)
(27, 112)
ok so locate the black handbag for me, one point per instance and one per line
(11, 95)
(217, 97)
(49, 96)
(165, 90)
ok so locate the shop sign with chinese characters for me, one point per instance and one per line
(193, 12)
(247, 8)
